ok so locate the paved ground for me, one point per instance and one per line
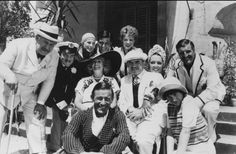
(18, 144)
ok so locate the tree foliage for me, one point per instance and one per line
(15, 18)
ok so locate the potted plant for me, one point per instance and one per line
(58, 14)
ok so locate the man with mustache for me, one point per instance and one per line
(28, 68)
(63, 92)
(199, 75)
(100, 129)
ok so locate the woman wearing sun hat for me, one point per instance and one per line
(188, 127)
(99, 67)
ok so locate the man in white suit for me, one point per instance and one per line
(28, 67)
(199, 75)
(144, 119)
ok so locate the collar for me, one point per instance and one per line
(140, 75)
(99, 80)
(95, 118)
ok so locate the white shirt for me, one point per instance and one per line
(98, 123)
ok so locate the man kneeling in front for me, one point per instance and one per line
(100, 129)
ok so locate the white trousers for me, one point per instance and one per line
(36, 145)
(148, 132)
(202, 148)
(211, 110)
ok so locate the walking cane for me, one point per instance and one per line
(163, 148)
(11, 118)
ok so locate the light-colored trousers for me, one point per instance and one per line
(211, 110)
(202, 148)
(35, 142)
(148, 131)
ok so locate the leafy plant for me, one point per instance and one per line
(229, 78)
(58, 14)
(14, 20)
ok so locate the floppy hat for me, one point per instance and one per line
(169, 84)
(73, 47)
(49, 32)
(87, 36)
(112, 63)
(136, 53)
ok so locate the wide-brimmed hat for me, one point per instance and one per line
(49, 32)
(71, 46)
(169, 84)
(112, 63)
(135, 53)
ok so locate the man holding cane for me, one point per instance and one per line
(28, 66)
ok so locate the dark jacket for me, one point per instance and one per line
(65, 83)
(112, 139)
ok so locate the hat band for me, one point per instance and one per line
(55, 36)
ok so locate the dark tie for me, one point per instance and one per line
(135, 91)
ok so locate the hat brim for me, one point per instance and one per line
(170, 87)
(111, 65)
(38, 32)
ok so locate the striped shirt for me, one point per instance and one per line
(188, 116)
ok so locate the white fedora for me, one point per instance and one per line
(49, 32)
(136, 53)
(169, 84)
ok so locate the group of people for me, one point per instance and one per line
(110, 100)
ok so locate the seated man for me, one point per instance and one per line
(99, 129)
(144, 119)
(198, 74)
(188, 128)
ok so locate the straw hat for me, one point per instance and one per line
(169, 84)
(136, 53)
(49, 32)
(111, 65)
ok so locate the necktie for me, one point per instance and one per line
(135, 91)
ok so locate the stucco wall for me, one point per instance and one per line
(203, 17)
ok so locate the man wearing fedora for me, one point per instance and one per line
(132, 102)
(62, 93)
(186, 125)
(28, 67)
(199, 75)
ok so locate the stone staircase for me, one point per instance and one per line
(226, 128)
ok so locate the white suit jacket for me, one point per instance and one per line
(19, 61)
(126, 89)
(205, 80)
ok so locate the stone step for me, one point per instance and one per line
(227, 114)
(226, 144)
(225, 127)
